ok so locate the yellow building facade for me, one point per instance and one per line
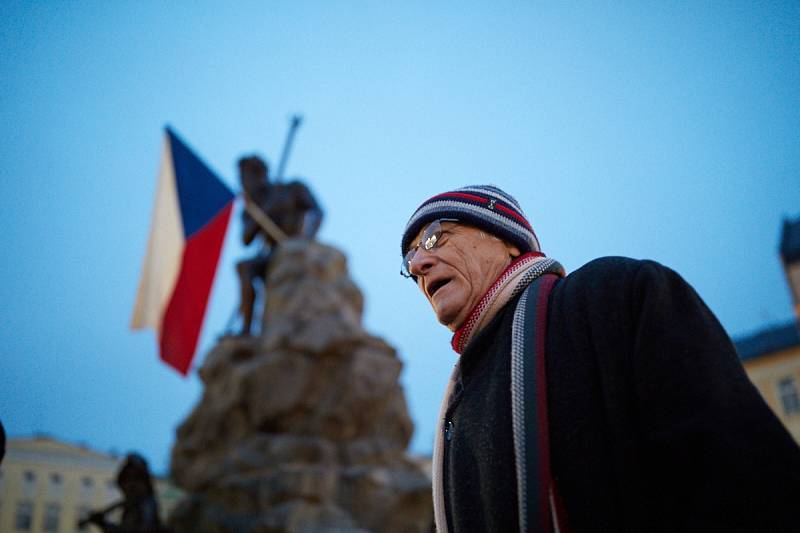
(772, 360)
(771, 356)
(47, 486)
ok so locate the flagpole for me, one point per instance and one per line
(263, 220)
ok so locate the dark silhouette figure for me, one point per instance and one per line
(290, 206)
(139, 508)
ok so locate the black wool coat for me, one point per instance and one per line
(654, 425)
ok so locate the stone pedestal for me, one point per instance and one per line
(305, 427)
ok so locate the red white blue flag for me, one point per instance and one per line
(190, 218)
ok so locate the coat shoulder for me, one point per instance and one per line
(615, 282)
(616, 266)
(615, 270)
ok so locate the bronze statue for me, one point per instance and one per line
(274, 211)
(139, 508)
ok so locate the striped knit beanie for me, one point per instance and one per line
(483, 206)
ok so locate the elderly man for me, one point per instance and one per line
(607, 400)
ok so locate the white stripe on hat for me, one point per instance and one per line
(480, 212)
(495, 193)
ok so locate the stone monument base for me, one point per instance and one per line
(304, 428)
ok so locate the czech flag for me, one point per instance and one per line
(190, 218)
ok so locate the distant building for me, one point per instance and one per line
(771, 356)
(47, 486)
(790, 256)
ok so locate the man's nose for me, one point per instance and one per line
(422, 262)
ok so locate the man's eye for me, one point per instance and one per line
(442, 237)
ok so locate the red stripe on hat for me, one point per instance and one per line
(497, 204)
(508, 211)
(462, 195)
(514, 214)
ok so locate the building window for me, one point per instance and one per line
(86, 489)
(29, 484)
(24, 517)
(55, 488)
(790, 398)
(51, 513)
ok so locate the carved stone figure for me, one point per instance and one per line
(139, 508)
(290, 210)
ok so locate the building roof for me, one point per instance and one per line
(768, 340)
(790, 240)
(48, 450)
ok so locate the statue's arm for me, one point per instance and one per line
(250, 230)
(311, 223)
(313, 213)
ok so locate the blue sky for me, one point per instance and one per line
(654, 130)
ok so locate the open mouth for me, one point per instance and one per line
(436, 285)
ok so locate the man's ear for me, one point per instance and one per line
(513, 251)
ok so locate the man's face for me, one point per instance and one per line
(459, 270)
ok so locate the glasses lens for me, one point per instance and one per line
(432, 235)
(430, 242)
(431, 238)
(404, 268)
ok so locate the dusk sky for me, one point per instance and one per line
(662, 130)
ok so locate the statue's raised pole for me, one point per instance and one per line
(296, 120)
(263, 220)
